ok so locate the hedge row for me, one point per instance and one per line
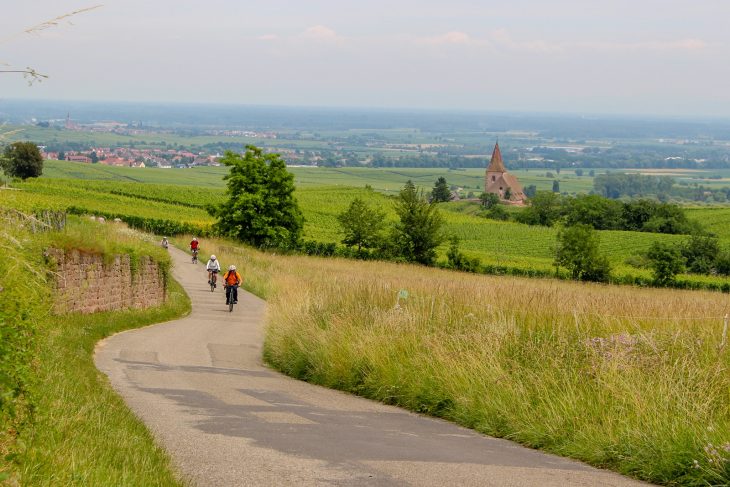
(150, 225)
(332, 249)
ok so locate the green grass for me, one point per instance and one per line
(715, 220)
(64, 425)
(82, 433)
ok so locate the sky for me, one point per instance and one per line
(650, 57)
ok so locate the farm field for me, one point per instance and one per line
(385, 180)
(502, 244)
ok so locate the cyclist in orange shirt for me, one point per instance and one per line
(232, 279)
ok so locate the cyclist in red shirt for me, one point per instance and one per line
(194, 249)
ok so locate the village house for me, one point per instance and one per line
(78, 158)
(498, 181)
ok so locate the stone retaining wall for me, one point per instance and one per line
(85, 284)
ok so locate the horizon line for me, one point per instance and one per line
(401, 109)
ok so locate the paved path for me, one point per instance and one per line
(226, 419)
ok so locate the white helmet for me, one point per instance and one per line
(232, 268)
(195, 238)
(212, 257)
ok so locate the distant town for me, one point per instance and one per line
(124, 156)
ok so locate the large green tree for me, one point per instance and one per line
(261, 208)
(22, 160)
(441, 192)
(419, 230)
(578, 252)
(361, 224)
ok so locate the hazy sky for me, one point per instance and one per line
(612, 56)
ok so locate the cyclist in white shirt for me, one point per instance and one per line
(214, 267)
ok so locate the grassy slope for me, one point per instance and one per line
(80, 432)
(623, 378)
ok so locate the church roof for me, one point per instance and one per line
(496, 164)
(514, 184)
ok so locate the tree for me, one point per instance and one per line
(556, 186)
(419, 231)
(94, 158)
(260, 209)
(61, 156)
(579, 172)
(489, 199)
(545, 209)
(22, 160)
(578, 252)
(594, 210)
(665, 261)
(361, 224)
(508, 194)
(441, 192)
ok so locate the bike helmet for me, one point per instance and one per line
(212, 257)
(232, 268)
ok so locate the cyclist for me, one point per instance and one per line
(165, 244)
(213, 267)
(194, 248)
(233, 280)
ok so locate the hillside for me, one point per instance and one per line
(182, 195)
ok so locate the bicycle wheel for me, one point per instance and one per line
(230, 304)
(212, 285)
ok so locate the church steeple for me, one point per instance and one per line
(496, 164)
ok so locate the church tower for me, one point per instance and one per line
(498, 181)
(496, 167)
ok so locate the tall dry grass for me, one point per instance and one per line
(625, 378)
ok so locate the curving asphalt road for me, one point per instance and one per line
(200, 386)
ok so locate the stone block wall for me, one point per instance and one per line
(85, 284)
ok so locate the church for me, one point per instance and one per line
(498, 181)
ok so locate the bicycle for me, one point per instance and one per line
(195, 256)
(231, 295)
(213, 280)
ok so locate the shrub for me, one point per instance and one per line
(578, 252)
(666, 262)
(460, 262)
(700, 254)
